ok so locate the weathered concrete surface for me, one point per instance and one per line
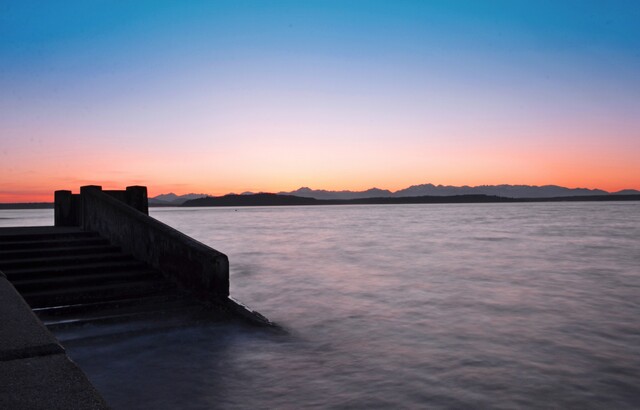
(35, 373)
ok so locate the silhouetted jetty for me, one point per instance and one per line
(105, 260)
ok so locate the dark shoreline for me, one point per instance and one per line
(27, 205)
(290, 200)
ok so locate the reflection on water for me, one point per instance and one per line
(438, 306)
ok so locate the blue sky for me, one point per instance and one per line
(319, 93)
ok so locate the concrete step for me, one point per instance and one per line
(145, 325)
(66, 281)
(56, 252)
(98, 293)
(11, 264)
(28, 234)
(51, 314)
(73, 269)
(53, 243)
(149, 312)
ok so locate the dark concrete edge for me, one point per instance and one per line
(36, 345)
(28, 352)
(248, 315)
(49, 349)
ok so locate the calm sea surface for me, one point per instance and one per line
(402, 306)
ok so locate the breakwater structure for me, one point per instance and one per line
(104, 261)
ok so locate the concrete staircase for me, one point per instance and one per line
(72, 278)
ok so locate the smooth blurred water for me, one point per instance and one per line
(26, 217)
(403, 306)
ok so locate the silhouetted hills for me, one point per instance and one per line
(324, 194)
(265, 199)
(425, 193)
(172, 199)
(376, 195)
(627, 192)
(251, 200)
(509, 191)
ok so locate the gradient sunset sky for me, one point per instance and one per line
(232, 96)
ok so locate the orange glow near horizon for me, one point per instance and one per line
(352, 101)
(35, 181)
(266, 163)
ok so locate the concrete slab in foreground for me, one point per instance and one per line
(21, 333)
(46, 382)
(35, 372)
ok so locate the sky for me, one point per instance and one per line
(232, 96)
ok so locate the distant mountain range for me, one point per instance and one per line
(172, 199)
(244, 199)
(505, 191)
(280, 200)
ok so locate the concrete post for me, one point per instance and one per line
(137, 198)
(82, 212)
(63, 209)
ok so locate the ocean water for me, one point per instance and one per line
(401, 306)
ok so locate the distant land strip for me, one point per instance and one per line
(504, 191)
(266, 199)
(27, 205)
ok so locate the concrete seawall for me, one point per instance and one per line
(35, 372)
(122, 217)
